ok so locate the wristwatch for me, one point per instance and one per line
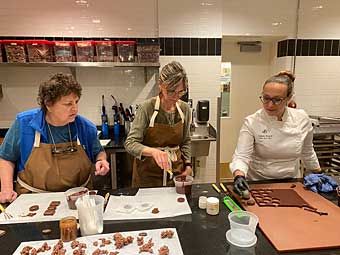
(187, 164)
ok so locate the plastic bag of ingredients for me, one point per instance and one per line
(64, 51)
(148, 53)
(39, 51)
(105, 51)
(126, 51)
(15, 51)
(85, 51)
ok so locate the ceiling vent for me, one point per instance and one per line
(250, 46)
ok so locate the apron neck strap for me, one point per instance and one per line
(37, 139)
(156, 110)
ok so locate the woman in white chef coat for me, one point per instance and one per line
(275, 138)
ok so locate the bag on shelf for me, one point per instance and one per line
(39, 51)
(85, 51)
(15, 51)
(64, 51)
(126, 51)
(148, 53)
(105, 51)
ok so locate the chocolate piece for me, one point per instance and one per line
(49, 212)
(293, 186)
(180, 199)
(251, 202)
(92, 192)
(52, 207)
(55, 203)
(34, 208)
(246, 194)
(155, 210)
(46, 231)
(164, 250)
(143, 234)
(29, 215)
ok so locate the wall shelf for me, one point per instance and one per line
(74, 65)
(81, 64)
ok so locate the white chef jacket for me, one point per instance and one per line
(271, 149)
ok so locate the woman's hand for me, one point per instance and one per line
(102, 167)
(7, 196)
(161, 158)
(187, 171)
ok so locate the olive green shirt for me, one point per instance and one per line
(134, 141)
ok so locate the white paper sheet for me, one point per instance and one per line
(131, 249)
(104, 142)
(165, 199)
(21, 205)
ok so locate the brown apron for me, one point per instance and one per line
(47, 172)
(146, 172)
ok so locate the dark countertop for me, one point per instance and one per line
(199, 233)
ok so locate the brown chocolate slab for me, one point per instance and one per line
(293, 228)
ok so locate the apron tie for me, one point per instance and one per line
(172, 157)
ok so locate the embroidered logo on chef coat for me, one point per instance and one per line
(265, 135)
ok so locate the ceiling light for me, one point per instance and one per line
(206, 4)
(96, 21)
(315, 8)
(129, 28)
(275, 24)
(81, 2)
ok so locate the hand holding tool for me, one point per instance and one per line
(240, 185)
(6, 214)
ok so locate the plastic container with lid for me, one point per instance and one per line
(242, 228)
(148, 53)
(105, 51)
(183, 184)
(39, 51)
(15, 51)
(73, 194)
(68, 228)
(64, 51)
(126, 51)
(85, 51)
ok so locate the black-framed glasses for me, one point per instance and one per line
(173, 93)
(275, 100)
(69, 149)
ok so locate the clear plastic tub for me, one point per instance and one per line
(105, 51)
(85, 51)
(148, 53)
(39, 51)
(15, 51)
(183, 184)
(126, 51)
(90, 213)
(242, 228)
(73, 194)
(64, 51)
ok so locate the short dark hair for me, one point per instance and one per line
(57, 86)
(284, 77)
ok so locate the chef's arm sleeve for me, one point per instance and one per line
(244, 150)
(308, 154)
(133, 143)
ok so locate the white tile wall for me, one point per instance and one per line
(319, 19)
(260, 17)
(119, 18)
(317, 85)
(190, 18)
(20, 89)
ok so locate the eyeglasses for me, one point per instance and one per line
(69, 149)
(173, 93)
(275, 100)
